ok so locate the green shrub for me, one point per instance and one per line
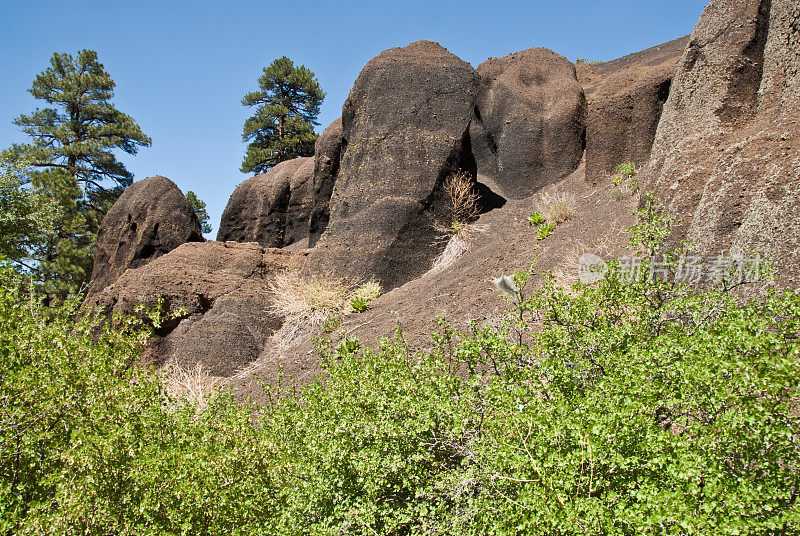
(635, 405)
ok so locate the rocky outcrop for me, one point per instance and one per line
(224, 288)
(726, 155)
(327, 153)
(625, 98)
(301, 203)
(529, 125)
(405, 129)
(272, 208)
(150, 219)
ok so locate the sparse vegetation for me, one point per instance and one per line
(363, 295)
(536, 219)
(463, 197)
(625, 181)
(309, 303)
(557, 207)
(545, 230)
(465, 209)
(553, 208)
(587, 62)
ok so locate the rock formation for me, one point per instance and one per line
(625, 98)
(726, 155)
(271, 208)
(327, 153)
(223, 286)
(150, 219)
(406, 129)
(529, 126)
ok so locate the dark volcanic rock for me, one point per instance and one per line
(726, 156)
(327, 153)
(150, 218)
(529, 129)
(405, 129)
(223, 286)
(301, 202)
(259, 209)
(624, 103)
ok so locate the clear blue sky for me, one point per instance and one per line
(182, 67)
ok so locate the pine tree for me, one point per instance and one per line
(75, 165)
(282, 127)
(199, 210)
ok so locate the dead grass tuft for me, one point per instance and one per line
(189, 385)
(557, 207)
(460, 187)
(458, 244)
(306, 304)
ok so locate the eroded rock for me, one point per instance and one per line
(150, 219)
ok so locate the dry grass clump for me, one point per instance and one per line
(557, 207)
(360, 298)
(305, 302)
(464, 203)
(309, 303)
(463, 199)
(188, 385)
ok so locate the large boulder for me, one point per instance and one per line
(405, 129)
(529, 125)
(726, 155)
(271, 208)
(625, 98)
(151, 218)
(327, 154)
(224, 288)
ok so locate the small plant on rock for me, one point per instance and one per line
(536, 219)
(625, 181)
(545, 230)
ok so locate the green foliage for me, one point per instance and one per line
(625, 181)
(545, 230)
(635, 405)
(536, 219)
(587, 62)
(27, 216)
(287, 104)
(74, 165)
(200, 210)
(363, 295)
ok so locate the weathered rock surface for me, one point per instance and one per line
(726, 156)
(405, 126)
(223, 286)
(529, 125)
(271, 208)
(625, 98)
(327, 154)
(150, 219)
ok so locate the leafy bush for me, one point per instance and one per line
(635, 405)
(88, 444)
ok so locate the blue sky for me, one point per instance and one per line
(181, 68)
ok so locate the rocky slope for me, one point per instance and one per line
(710, 120)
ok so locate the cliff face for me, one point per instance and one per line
(726, 156)
(710, 120)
